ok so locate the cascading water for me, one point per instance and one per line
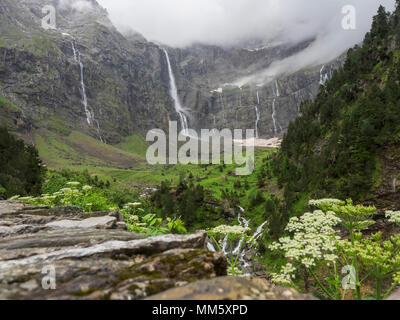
(77, 57)
(223, 105)
(258, 115)
(323, 77)
(242, 249)
(174, 95)
(89, 113)
(277, 95)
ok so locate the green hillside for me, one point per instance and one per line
(346, 143)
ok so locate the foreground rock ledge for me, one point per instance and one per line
(95, 258)
(231, 288)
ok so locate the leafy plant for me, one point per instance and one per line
(224, 236)
(314, 248)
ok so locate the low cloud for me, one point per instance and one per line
(180, 23)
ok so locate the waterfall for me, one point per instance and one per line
(77, 57)
(277, 95)
(174, 95)
(277, 89)
(89, 113)
(258, 115)
(323, 77)
(223, 105)
(245, 223)
(258, 232)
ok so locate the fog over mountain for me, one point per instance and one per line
(227, 22)
(180, 23)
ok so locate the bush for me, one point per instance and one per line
(21, 170)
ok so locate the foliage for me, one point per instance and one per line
(315, 249)
(72, 194)
(224, 236)
(149, 224)
(21, 170)
(334, 147)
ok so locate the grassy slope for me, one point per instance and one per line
(126, 164)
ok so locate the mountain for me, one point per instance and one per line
(346, 143)
(86, 78)
(207, 77)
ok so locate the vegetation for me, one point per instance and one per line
(315, 250)
(21, 170)
(335, 147)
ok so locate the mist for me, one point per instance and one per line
(180, 23)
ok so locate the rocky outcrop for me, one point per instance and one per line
(126, 78)
(231, 288)
(92, 256)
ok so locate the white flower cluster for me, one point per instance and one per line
(314, 240)
(286, 275)
(132, 205)
(393, 216)
(233, 230)
(73, 183)
(86, 188)
(321, 203)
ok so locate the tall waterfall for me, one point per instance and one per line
(89, 113)
(77, 57)
(258, 115)
(174, 95)
(323, 77)
(277, 95)
(223, 106)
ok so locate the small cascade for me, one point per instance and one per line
(324, 77)
(89, 113)
(223, 105)
(258, 232)
(174, 95)
(241, 249)
(277, 95)
(77, 57)
(258, 115)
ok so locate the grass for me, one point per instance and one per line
(135, 144)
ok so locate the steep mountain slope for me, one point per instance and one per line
(207, 77)
(87, 77)
(347, 142)
(40, 72)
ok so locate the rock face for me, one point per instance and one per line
(89, 256)
(231, 288)
(92, 257)
(126, 78)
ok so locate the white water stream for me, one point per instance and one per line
(174, 95)
(89, 113)
(275, 121)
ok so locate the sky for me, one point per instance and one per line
(180, 23)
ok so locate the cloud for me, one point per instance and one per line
(180, 23)
(78, 5)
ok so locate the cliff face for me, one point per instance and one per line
(40, 72)
(206, 77)
(87, 76)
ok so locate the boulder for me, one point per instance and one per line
(93, 257)
(231, 288)
(105, 222)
